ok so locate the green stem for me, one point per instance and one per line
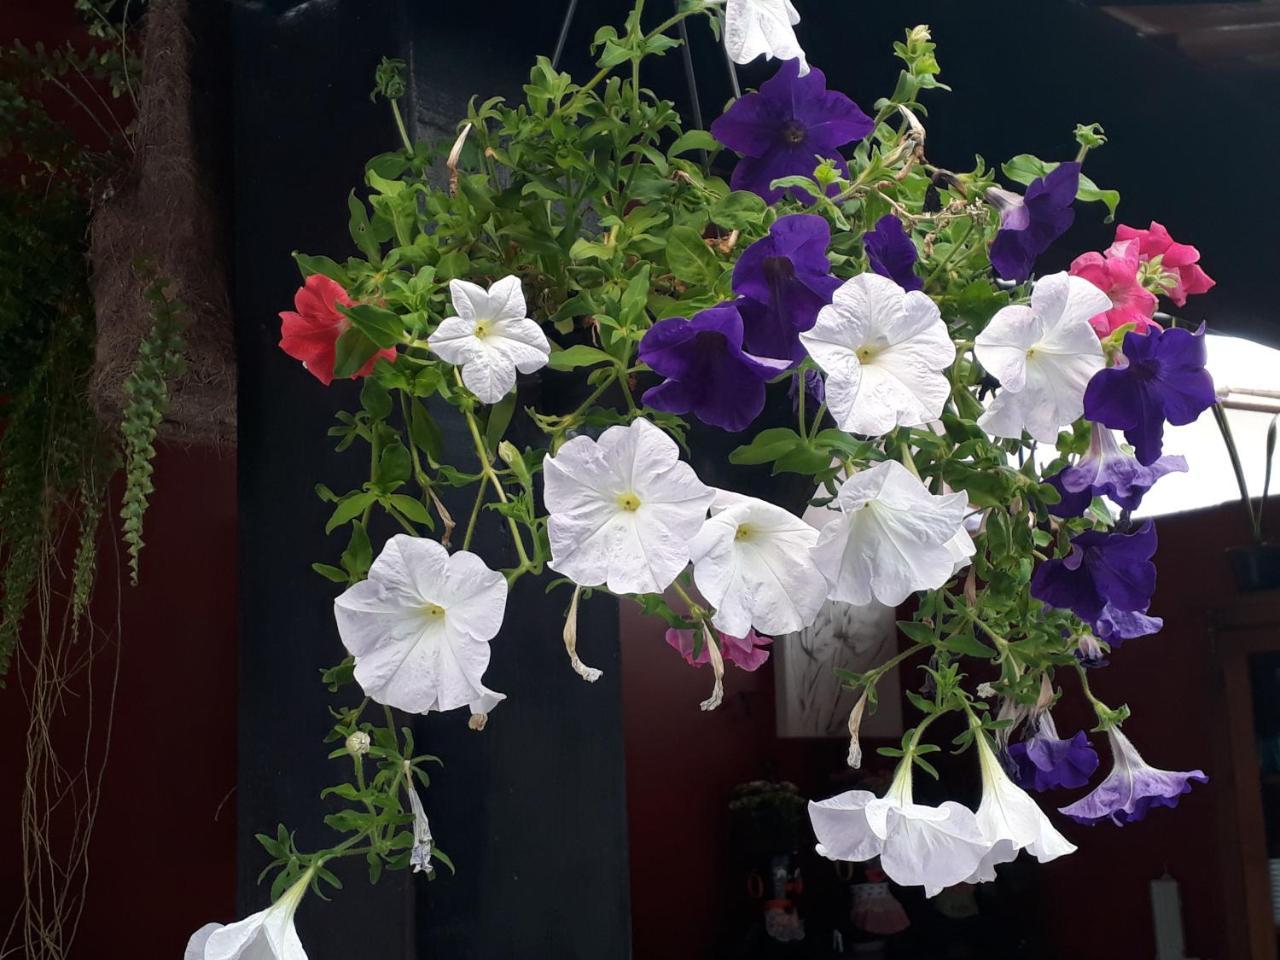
(404, 133)
(892, 662)
(955, 248)
(496, 482)
(1220, 415)
(481, 490)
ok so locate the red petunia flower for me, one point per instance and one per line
(1179, 259)
(311, 330)
(1116, 275)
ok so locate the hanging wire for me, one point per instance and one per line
(690, 78)
(564, 34)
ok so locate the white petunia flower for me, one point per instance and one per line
(892, 537)
(756, 27)
(420, 627)
(1011, 821)
(623, 509)
(266, 935)
(751, 562)
(918, 845)
(884, 351)
(491, 338)
(1044, 355)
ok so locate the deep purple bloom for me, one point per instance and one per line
(1107, 581)
(1163, 379)
(1131, 789)
(783, 129)
(786, 279)
(1029, 224)
(1108, 471)
(707, 372)
(1046, 761)
(891, 252)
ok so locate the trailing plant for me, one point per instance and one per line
(868, 323)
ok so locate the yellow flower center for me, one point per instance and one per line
(1031, 353)
(744, 532)
(865, 354)
(629, 502)
(482, 329)
(433, 611)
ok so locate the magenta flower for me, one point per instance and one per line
(1116, 275)
(747, 653)
(787, 128)
(1179, 259)
(1163, 380)
(891, 252)
(785, 279)
(707, 373)
(1046, 762)
(1031, 223)
(1132, 789)
(1106, 580)
(1106, 470)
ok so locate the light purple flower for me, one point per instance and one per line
(1107, 581)
(1031, 223)
(1045, 761)
(1163, 379)
(1107, 470)
(785, 279)
(708, 373)
(786, 127)
(891, 252)
(1132, 788)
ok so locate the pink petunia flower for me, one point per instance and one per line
(311, 330)
(1181, 260)
(1115, 273)
(747, 653)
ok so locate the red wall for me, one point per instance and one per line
(681, 766)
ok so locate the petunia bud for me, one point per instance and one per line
(358, 743)
(478, 722)
(855, 726)
(589, 674)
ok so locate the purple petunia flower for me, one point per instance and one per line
(1089, 651)
(1029, 224)
(891, 252)
(1107, 581)
(1107, 471)
(814, 387)
(786, 279)
(1131, 789)
(707, 372)
(1163, 379)
(784, 128)
(1045, 761)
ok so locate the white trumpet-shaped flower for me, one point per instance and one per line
(266, 935)
(1044, 355)
(1010, 820)
(918, 845)
(419, 627)
(884, 351)
(763, 27)
(623, 509)
(751, 561)
(490, 338)
(891, 538)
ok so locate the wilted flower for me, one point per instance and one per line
(1107, 581)
(1180, 260)
(1107, 470)
(1029, 224)
(1132, 788)
(1162, 380)
(1045, 761)
(311, 330)
(891, 537)
(754, 28)
(623, 509)
(785, 279)
(1116, 275)
(1044, 356)
(266, 935)
(883, 351)
(491, 338)
(747, 653)
(423, 843)
(708, 372)
(419, 627)
(787, 128)
(891, 252)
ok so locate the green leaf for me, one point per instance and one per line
(690, 259)
(359, 553)
(348, 509)
(383, 327)
(692, 140)
(803, 459)
(766, 447)
(452, 266)
(499, 419)
(635, 297)
(576, 356)
(426, 433)
(375, 399)
(739, 210)
(352, 352)
(1090, 192)
(336, 574)
(395, 464)
(361, 232)
(308, 266)
(917, 632)
(411, 508)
